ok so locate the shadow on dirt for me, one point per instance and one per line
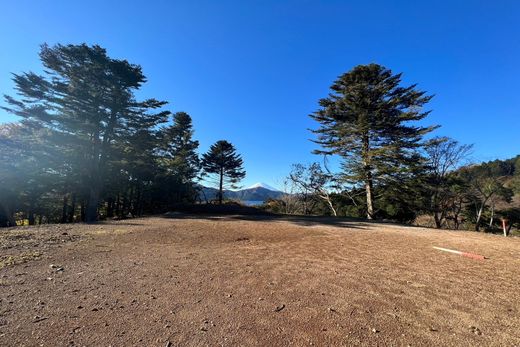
(246, 213)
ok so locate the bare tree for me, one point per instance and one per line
(485, 190)
(289, 199)
(312, 182)
(444, 156)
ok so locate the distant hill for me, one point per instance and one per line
(256, 192)
(509, 171)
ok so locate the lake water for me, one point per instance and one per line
(252, 202)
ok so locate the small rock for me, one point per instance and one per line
(374, 330)
(203, 329)
(279, 308)
(475, 330)
(56, 268)
(433, 329)
(330, 309)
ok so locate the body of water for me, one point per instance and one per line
(252, 202)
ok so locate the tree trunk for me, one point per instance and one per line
(479, 217)
(91, 214)
(435, 208)
(325, 196)
(492, 215)
(72, 209)
(370, 196)
(118, 206)
(456, 216)
(332, 208)
(437, 219)
(138, 200)
(131, 201)
(110, 207)
(221, 187)
(369, 184)
(82, 210)
(64, 209)
(30, 215)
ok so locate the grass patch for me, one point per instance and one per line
(24, 257)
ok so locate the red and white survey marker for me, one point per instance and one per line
(464, 254)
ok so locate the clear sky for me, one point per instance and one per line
(251, 71)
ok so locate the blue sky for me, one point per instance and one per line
(251, 71)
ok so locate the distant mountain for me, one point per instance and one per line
(263, 185)
(256, 192)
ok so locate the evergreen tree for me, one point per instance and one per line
(224, 164)
(367, 121)
(180, 148)
(86, 102)
(179, 161)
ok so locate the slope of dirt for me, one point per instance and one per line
(245, 281)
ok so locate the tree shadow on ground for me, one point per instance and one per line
(342, 222)
(120, 222)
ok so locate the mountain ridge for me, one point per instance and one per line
(256, 192)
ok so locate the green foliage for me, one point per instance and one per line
(85, 147)
(368, 120)
(180, 156)
(224, 165)
(179, 162)
(86, 102)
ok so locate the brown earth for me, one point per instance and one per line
(245, 280)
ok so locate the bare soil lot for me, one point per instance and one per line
(245, 281)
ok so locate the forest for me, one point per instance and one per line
(86, 149)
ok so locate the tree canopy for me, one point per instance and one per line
(224, 165)
(370, 120)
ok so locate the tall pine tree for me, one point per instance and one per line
(180, 149)
(224, 165)
(367, 119)
(86, 101)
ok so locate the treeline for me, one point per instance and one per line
(390, 168)
(469, 197)
(86, 148)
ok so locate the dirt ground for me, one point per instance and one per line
(248, 281)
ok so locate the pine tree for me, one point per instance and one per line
(222, 162)
(86, 102)
(180, 148)
(367, 120)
